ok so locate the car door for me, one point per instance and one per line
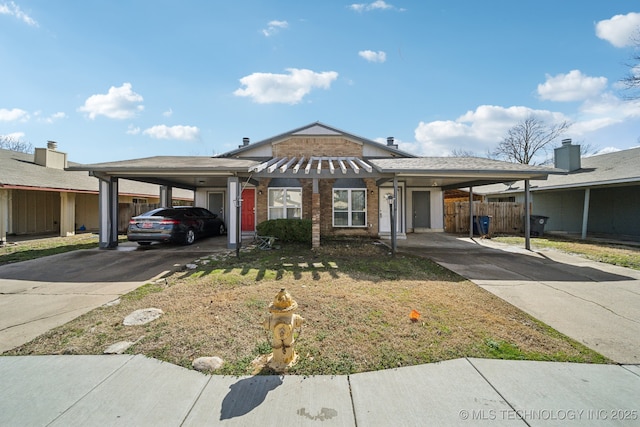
(208, 221)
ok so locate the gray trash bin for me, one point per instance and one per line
(536, 224)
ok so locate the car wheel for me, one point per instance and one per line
(221, 230)
(190, 237)
(144, 243)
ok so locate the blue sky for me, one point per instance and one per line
(113, 80)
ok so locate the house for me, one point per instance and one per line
(346, 184)
(38, 196)
(599, 195)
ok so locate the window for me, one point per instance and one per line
(285, 203)
(349, 207)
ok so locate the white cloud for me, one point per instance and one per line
(610, 106)
(475, 131)
(273, 27)
(14, 136)
(268, 88)
(376, 5)
(13, 115)
(573, 86)
(372, 56)
(133, 130)
(119, 103)
(182, 133)
(51, 119)
(168, 113)
(13, 9)
(620, 29)
(605, 150)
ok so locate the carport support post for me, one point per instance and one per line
(471, 212)
(108, 212)
(527, 216)
(394, 216)
(67, 214)
(166, 195)
(233, 221)
(585, 212)
(4, 215)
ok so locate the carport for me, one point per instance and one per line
(227, 176)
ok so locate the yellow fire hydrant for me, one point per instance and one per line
(282, 322)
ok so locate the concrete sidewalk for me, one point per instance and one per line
(138, 391)
(29, 308)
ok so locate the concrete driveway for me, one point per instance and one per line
(594, 303)
(41, 294)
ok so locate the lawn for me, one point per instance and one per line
(38, 247)
(356, 300)
(616, 254)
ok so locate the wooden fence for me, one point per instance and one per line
(506, 217)
(128, 210)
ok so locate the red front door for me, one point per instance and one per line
(248, 209)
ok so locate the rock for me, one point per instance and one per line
(207, 363)
(119, 347)
(191, 266)
(142, 316)
(112, 303)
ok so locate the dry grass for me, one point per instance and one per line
(355, 299)
(624, 255)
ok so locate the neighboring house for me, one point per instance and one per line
(343, 183)
(598, 195)
(38, 196)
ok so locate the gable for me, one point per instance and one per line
(315, 140)
(299, 146)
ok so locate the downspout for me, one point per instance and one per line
(527, 224)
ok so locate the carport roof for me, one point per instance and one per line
(457, 172)
(170, 163)
(188, 172)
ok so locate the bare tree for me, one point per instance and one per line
(526, 139)
(13, 144)
(632, 80)
(461, 152)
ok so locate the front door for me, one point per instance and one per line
(385, 211)
(216, 204)
(421, 209)
(248, 209)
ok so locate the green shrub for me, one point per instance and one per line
(286, 230)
